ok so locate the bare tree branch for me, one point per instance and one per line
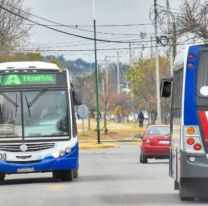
(12, 28)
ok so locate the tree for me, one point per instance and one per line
(12, 28)
(22, 57)
(142, 81)
(193, 19)
(85, 84)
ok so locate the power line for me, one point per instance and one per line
(86, 30)
(82, 43)
(80, 50)
(60, 31)
(119, 25)
(106, 25)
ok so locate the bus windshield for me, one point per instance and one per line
(45, 113)
(10, 115)
(202, 80)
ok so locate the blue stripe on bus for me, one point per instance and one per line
(68, 161)
(190, 111)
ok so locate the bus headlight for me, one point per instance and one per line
(56, 154)
(61, 153)
(68, 149)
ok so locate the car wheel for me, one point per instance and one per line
(143, 158)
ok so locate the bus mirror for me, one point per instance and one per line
(165, 87)
(77, 98)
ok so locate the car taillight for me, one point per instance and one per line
(147, 140)
(192, 140)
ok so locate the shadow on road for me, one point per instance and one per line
(30, 181)
(157, 162)
(97, 178)
(150, 199)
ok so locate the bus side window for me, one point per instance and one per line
(177, 95)
(74, 125)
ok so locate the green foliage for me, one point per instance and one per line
(58, 63)
(143, 82)
(22, 57)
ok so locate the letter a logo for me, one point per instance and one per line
(12, 80)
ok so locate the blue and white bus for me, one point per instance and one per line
(189, 122)
(37, 120)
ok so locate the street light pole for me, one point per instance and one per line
(157, 65)
(171, 49)
(96, 78)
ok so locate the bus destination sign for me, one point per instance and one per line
(26, 79)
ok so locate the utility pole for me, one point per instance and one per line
(118, 73)
(151, 47)
(157, 65)
(96, 77)
(171, 49)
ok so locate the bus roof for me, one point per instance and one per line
(180, 57)
(28, 65)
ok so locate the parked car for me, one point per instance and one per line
(155, 143)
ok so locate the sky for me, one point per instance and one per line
(80, 12)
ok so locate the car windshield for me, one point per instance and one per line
(158, 131)
(10, 115)
(45, 113)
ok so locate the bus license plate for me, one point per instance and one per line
(25, 170)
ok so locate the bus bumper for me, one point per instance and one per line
(67, 162)
(196, 169)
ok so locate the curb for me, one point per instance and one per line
(97, 146)
(122, 140)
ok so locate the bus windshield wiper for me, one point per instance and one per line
(9, 99)
(29, 104)
(37, 97)
(28, 108)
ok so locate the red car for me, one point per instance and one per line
(155, 143)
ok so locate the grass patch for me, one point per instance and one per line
(116, 131)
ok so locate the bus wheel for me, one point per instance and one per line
(56, 175)
(75, 173)
(66, 175)
(143, 158)
(2, 176)
(185, 191)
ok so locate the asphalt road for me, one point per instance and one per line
(107, 177)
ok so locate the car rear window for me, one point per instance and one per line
(158, 131)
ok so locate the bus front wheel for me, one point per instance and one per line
(75, 173)
(2, 177)
(65, 175)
